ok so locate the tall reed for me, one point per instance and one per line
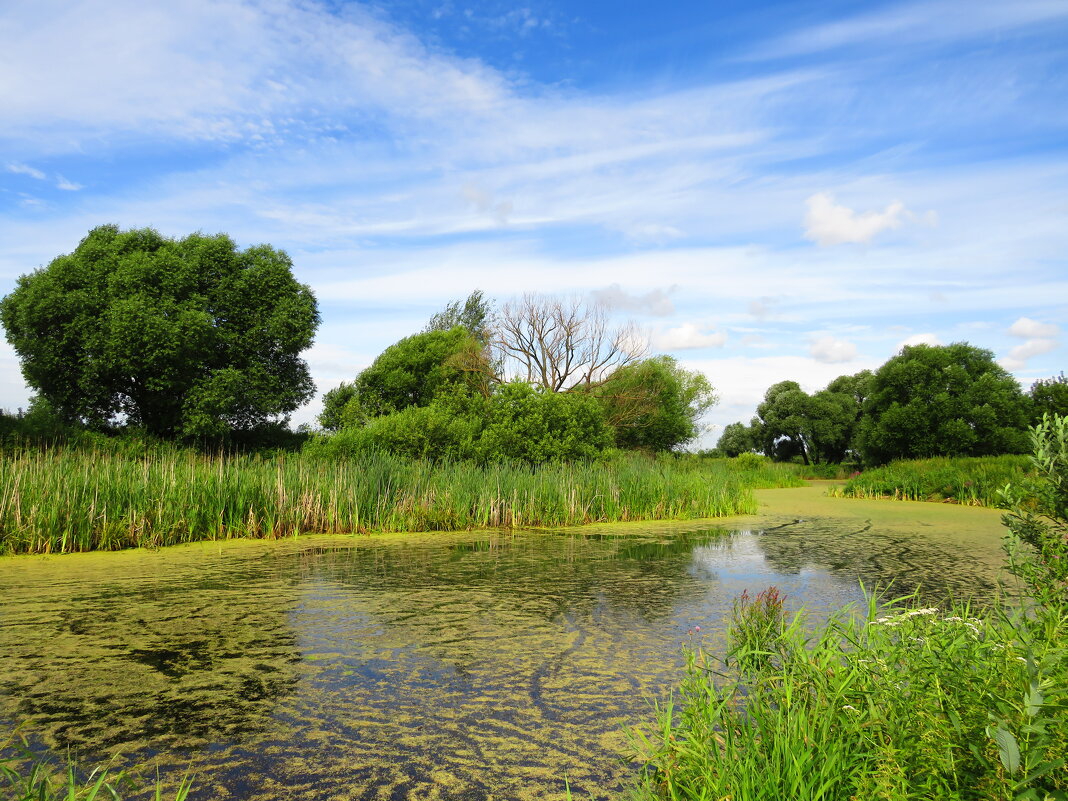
(58, 500)
(974, 481)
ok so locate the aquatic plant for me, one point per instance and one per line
(59, 500)
(28, 777)
(974, 481)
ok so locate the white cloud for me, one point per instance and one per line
(67, 186)
(1019, 356)
(1026, 328)
(655, 302)
(830, 350)
(918, 339)
(688, 336)
(924, 21)
(828, 223)
(25, 169)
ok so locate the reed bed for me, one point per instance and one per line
(972, 481)
(61, 500)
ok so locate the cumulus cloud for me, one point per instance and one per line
(830, 350)
(655, 302)
(1018, 356)
(1026, 328)
(828, 223)
(918, 339)
(687, 337)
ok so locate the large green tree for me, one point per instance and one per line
(415, 370)
(945, 400)
(818, 428)
(185, 337)
(1049, 396)
(655, 404)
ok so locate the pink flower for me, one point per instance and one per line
(697, 628)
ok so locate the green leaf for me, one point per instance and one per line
(1007, 747)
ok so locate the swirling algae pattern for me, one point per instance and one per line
(476, 665)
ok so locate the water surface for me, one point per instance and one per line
(477, 665)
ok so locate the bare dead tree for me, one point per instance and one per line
(559, 343)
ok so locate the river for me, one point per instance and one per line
(474, 665)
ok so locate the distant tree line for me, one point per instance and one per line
(544, 379)
(945, 400)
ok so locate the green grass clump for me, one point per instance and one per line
(974, 481)
(59, 500)
(24, 777)
(899, 703)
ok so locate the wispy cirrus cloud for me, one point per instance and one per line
(25, 169)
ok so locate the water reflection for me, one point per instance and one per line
(464, 666)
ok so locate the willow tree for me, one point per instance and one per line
(184, 337)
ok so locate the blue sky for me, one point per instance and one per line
(772, 190)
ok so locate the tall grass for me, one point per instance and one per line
(58, 500)
(974, 481)
(897, 702)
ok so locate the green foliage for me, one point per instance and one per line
(335, 401)
(187, 337)
(900, 703)
(26, 777)
(449, 429)
(970, 480)
(897, 704)
(1049, 396)
(736, 439)
(750, 461)
(417, 369)
(654, 403)
(60, 500)
(535, 426)
(951, 400)
(475, 314)
(817, 428)
(1044, 525)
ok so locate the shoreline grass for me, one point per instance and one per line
(56, 500)
(897, 702)
(971, 481)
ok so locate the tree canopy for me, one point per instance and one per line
(654, 403)
(475, 314)
(945, 400)
(413, 371)
(1049, 396)
(185, 337)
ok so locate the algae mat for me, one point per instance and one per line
(477, 665)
